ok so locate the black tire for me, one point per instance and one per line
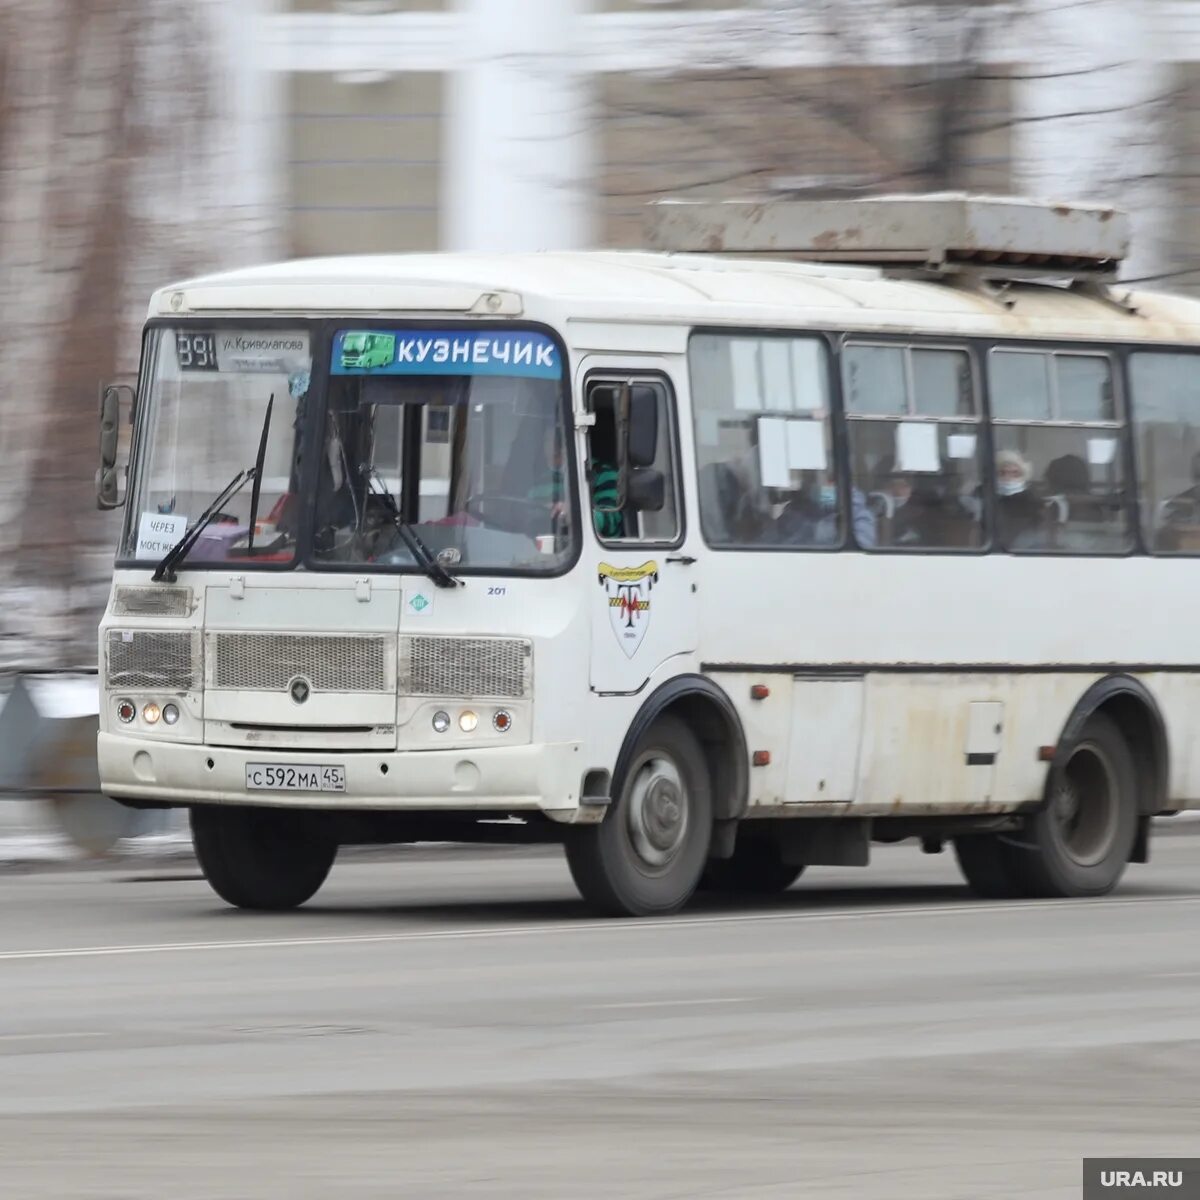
(646, 857)
(756, 868)
(261, 858)
(985, 860)
(1079, 842)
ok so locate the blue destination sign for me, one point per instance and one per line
(446, 352)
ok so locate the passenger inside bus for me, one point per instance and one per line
(1020, 517)
(810, 517)
(907, 507)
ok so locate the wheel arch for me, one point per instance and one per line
(1130, 704)
(711, 716)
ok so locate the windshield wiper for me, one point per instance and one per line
(165, 571)
(256, 491)
(421, 553)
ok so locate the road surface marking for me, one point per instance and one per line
(574, 928)
(58, 1037)
(676, 1003)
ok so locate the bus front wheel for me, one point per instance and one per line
(647, 855)
(261, 858)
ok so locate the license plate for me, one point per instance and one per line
(288, 777)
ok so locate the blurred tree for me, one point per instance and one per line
(890, 95)
(109, 185)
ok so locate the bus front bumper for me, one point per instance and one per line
(540, 777)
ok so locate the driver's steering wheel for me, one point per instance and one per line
(514, 514)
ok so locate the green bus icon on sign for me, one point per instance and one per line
(366, 351)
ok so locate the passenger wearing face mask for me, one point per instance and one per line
(1020, 520)
(811, 517)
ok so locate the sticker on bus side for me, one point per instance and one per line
(520, 353)
(627, 597)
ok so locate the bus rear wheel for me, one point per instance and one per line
(1078, 842)
(261, 858)
(756, 868)
(647, 855)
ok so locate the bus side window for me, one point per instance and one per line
(1060, 461)
(1165, 402)
(642, 506)
(912, 416)
(764, 458)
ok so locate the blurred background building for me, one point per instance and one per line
(145, 140)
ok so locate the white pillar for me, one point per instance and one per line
(1101, 61)
(251, 171)
(519, 170)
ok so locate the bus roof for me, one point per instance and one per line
(632, 287)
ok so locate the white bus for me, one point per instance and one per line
(709, 568)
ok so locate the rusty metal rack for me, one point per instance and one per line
(928, 236)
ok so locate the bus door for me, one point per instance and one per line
(643, 582)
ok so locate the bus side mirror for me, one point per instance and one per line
(643, 426)
(646, 490)
(108, 488)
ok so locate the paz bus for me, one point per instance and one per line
(904, 545)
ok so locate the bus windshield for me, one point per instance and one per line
(460, 435)
(204, 397)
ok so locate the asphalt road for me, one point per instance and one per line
(456, 1025)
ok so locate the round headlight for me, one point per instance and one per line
(502, 721)
(467, 720)
(170, 714)
(126, 711)
(150, 714)
(441, 721)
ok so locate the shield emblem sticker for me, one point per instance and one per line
(627, 593)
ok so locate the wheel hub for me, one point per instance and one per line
(1086, 805)
(658, 812)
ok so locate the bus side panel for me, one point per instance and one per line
(1178, 699)
(960, 743)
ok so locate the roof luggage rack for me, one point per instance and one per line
(947, 234)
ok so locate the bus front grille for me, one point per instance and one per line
(268, 662)
(141, 660)
(456, 666)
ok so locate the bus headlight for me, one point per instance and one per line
(467, 720)
(441, 721)
(151, 713)
(170, 714)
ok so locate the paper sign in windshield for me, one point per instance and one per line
(158, 532)
(522, 353)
